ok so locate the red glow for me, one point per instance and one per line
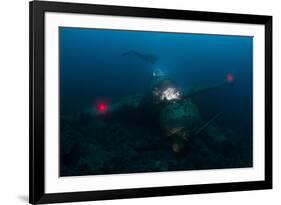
(229, 78)
(102, 107)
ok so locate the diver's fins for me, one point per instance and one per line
(205, 125)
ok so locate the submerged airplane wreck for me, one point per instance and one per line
(165, 105)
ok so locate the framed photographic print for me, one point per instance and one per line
(140, 102)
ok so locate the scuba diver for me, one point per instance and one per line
(149, 58)
(172, 106)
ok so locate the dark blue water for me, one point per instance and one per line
(92, 67)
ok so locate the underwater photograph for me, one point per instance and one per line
(147, 101)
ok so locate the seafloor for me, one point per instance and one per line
(111, 146)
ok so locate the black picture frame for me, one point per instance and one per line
(37, 193)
